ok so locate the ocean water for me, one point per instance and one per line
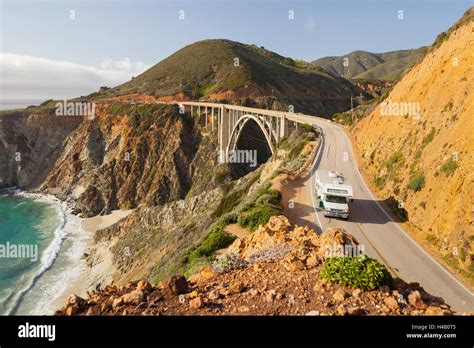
(29, 284)
(19, 103)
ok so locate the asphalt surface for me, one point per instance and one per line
(379, 235)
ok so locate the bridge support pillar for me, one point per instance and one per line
(283, 127)
(212, 117)
(224, 130)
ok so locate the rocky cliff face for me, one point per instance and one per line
(30, 144)
(126, 156)
(417, 147)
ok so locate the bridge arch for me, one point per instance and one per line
(265, 127)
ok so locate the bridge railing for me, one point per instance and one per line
(292, 116)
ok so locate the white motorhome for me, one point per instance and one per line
(334, 193)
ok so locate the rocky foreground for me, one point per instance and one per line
(274, 271)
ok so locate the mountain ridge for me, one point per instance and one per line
(241, 73)
(368, 65)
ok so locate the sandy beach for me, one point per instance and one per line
(79, 286)
(99, 222)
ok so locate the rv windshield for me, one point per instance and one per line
(336, 199)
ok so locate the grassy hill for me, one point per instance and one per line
(367, 65)
(224, 69)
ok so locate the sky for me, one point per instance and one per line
(67, 48)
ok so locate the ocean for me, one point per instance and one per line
(31, 282)
(19, 103)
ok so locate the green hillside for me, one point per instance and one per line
(376, 66)
(224, 69)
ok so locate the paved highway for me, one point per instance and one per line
(372, 226)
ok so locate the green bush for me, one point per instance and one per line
(216, 240)
(380, 181)
(257, 216)
(228, 203)
(429, 137)
(417, 182)
(344, 118)
(449, 167)
(270, 196)
(397, 157)
(306, 127)
(356, 272)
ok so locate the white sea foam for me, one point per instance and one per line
(61, 261)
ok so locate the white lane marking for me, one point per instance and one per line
(401, 229)
(311, 181)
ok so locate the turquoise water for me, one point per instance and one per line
(24, 221)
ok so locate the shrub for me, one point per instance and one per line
(217, 239)
(288, 61)
(269, 196)
(228, 203)
(297, 149)
(257, 216)
(417, 182)
(429, 137)
(397, 157)
(356, 272)
(344, 118)
(379, 182)
(228, 262)
(449, 167)
(306, 127)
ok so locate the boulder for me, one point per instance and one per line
(391, 303)
(356, 293)
(72, 310)
(75, 300)
(144, 285)
(176, 285)
(415, 300)
(203, 275)
(335, 240)
(134, 297)
(339, 295)
(196, 303)
(214, 295)
(434, 310)
(117, 302)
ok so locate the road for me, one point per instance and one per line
(380, 236)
